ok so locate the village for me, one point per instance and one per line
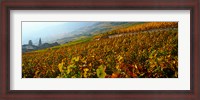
(31, 47)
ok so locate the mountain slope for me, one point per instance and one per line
(93, 29)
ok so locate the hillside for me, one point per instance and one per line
(151, 52)
(94, 29)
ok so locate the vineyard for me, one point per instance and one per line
(147, 54)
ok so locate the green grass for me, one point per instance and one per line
(82, 39)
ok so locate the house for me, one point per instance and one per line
(27, 47)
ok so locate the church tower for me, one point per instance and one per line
(30, 42)
(40, 42)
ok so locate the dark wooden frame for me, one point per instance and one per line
(7, 5)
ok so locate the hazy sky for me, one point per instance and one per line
(48, 30)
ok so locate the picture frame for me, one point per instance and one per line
(7, 6)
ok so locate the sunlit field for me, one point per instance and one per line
(143, 50)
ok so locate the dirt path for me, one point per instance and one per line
(150, 31)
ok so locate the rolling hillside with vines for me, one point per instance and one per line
(148, 50)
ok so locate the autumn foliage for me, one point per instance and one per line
(146, 54)
(138, 28)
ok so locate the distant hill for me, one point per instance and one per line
(93, 29)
